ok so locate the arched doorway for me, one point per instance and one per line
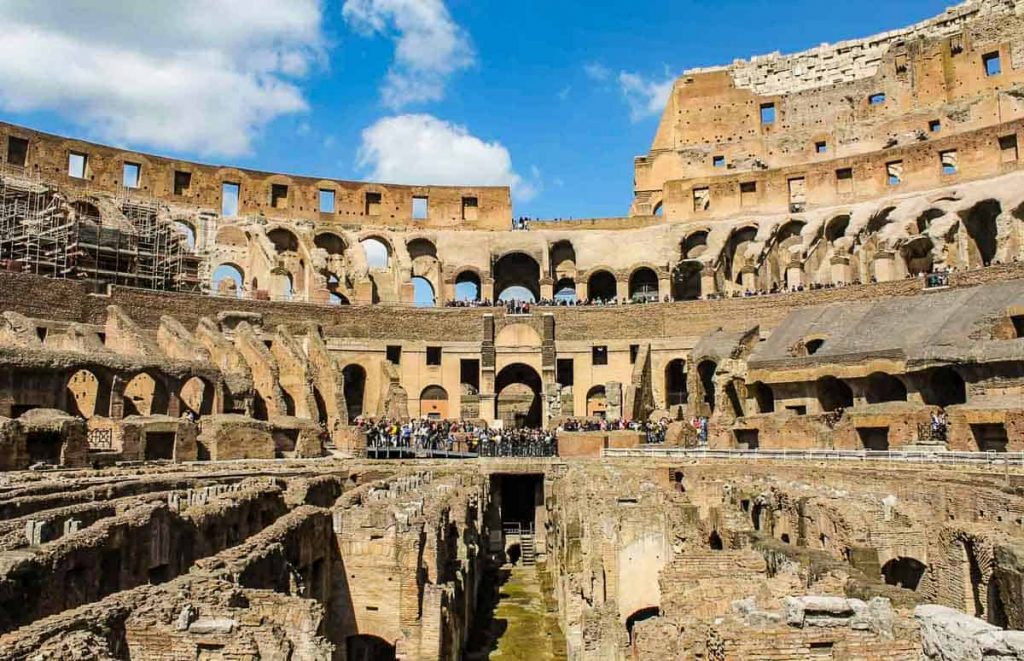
(517, 276)
(640, 616)
(706, 372)
(331, 243)
(434, 403)
(834, 394)
(197, 396)
(980, 223)
(735, 252)
(283, 240)
(519, 396)
(227, 280)
(686, 284)
(423, 293)
(565, 291)
(675, 383)
(467, 286)
(882, 387)
(378, 254)
(602, 286)
(903, 572)
(83, 389)
(597, 402)
(368, 648)
(145, 395)
(355, 387)
(643, 285)
(943, 386)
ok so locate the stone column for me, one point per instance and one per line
(664, 287)
(748, 278)
(117, 398)
(547, 288)
(885, 266)
(487, 289)
(582, 290)
(840, 269)
(794, 274)
(622, 287)
(708, 285)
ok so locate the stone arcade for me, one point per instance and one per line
(823, 260)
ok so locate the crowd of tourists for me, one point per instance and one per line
(457, 435)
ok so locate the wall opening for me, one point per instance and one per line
(355, 385)
(875, 439)
(44, 447)
(903, 572)
(675, 383)
(706, 373)
(159, 445)
(990, 437)
(368, 648)
(602, 286)
(881, 387)
(834, 394)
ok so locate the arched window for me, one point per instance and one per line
(643, 285)
(332, 243)
(378, 256)
(565, 291)
(227, 281)
(145, 395)
(434, 402)
(283, 240)
(944, 387)
(197, 396)
(421, 248)
(903, 572)
(597, 402)
(517, 276)
(188, 234)
(423, 293)
(467, 286)
(694, 245)
(980, 223)
(83, 389)
(602, 286)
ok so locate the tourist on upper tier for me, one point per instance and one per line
(440, 435)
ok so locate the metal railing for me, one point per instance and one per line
(972, 458)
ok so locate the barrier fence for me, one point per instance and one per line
(971, 458)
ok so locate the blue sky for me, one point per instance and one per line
(554, 98)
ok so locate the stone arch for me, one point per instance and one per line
(145, 394)
(879, 220)
(85, 394)
(980, 223)
(196, 395)
(563, 260)
(601, 284)
(323, 415)
(434, 402)
(643, 285)
(511, 406)
(676, 391)
(187, 233)
(330, 242)
(565, 290)
(365, 646)
(924, 220)
(516, 271)
(763, 396)
(733, 254)
(377, 250)
(694, 244)
(638, 616)
(423, 292)
(904, 572)
(228, 279)
(881, 387)
(421, 247)
(284, 240)
(943, 386)
(833, 393)
(354, 375)
(917, 255)
(686, 281)
(87, 211)
(706, 371)
(836, 227)
(597, 402)
(468, 285)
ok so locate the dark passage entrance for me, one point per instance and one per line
(518, 497)
(159, 445)
(43, 446)
(369, 648)
(903, 572)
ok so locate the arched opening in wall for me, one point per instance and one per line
(519, 401)
(755, 515)
(467, 286)
(972, 579)
(903, 572)
(785, 251)
(331, 243)
(879, 220)
(563, 260)
(639, 616)
(283, 240)
(355, 387)
(259, 407)
(338, 299)
(814, 346)
(924, 221)
(434, 403)
(736, 252)
(145, 395)
(597, 402)
(289, 402)
(836, 228)
(833, 394)
(659, 210)
(227, 280)
(87, 211)
(763, 396)
(321, 406)
(694, 245)
(675, 383)
(706, 372)
(368, 648)
(602, 286)
(421, 248)
(980, 223)
(187, 233)
(83, 389)
(943, 386)
(423, 293)
(565, 291)
(881, 387)
(517, 276)
(686, 285)
(197, 396)
(285, 284)
(917, 255)
(378, 253)
(996, 608)
(643, 285)
(715, 541)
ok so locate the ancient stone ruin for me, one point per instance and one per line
(778, 408)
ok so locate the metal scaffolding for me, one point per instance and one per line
(131, 242)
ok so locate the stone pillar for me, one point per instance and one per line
(117, 387)
(748, 278)
(840, 270)
(487, 289)
(582, 290)
(664, 288)
(547, 288)
(622, 288)
(885, 266)
(708, 284)
(794, 275)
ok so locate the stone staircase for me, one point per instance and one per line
(526, 547)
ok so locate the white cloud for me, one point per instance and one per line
(597, 71)
(646, 98)
(189, 75)
(429, 46)
(422, 150)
